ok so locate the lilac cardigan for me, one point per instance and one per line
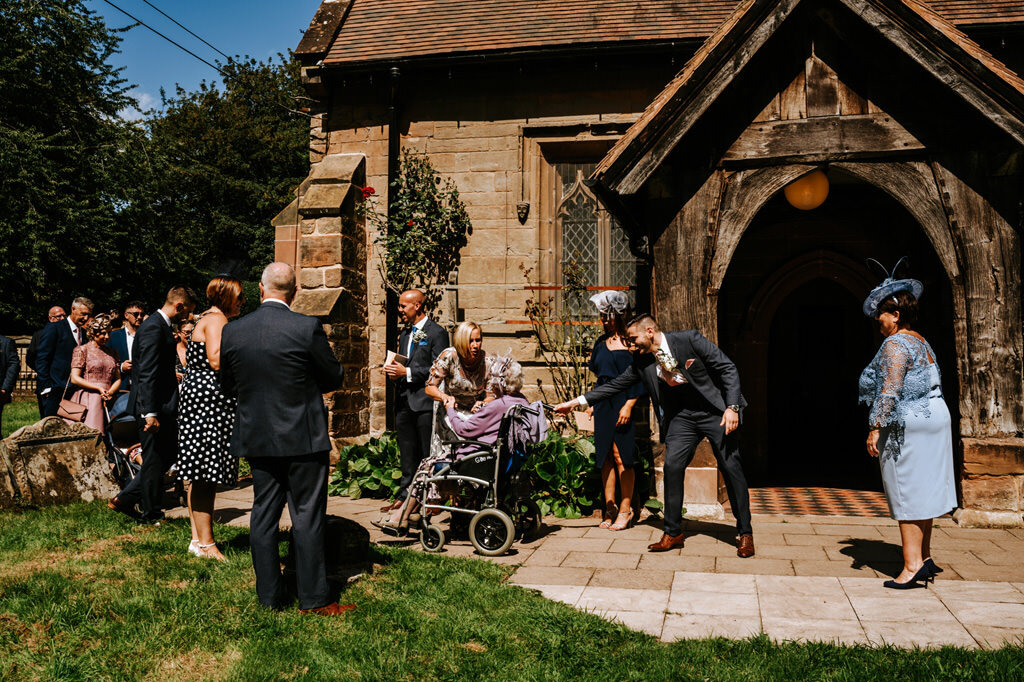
(483, 426)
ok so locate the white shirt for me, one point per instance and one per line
(276, 300)
(129, 338)
(671, 378)
(408, 349)
(75, 332)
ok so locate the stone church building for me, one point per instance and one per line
(654, 141)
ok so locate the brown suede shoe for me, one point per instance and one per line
(745, 548)
(334, 609)
(666, 543)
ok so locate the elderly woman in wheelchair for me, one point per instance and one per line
(475, 474)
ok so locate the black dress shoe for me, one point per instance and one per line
(123, 508)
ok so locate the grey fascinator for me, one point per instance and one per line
(890, 286)
(608, 302)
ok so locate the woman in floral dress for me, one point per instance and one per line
(94, 370)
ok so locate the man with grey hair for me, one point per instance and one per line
(53, 359)
(278, 363)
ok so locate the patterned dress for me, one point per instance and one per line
(903, 387)
(99, 365)
(205, 419)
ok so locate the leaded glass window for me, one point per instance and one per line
(590, 236)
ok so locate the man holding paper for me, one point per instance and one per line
(420, 343)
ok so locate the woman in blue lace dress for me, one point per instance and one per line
(909, 427)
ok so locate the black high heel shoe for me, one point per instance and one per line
(923, 574)
(932, 566)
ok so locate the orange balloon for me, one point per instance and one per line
(808, 192)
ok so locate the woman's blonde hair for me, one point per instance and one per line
(462, 334)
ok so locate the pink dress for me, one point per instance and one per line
(99, 366)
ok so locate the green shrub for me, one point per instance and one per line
(563, 475)
(372, 469)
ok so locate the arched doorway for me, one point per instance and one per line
(789, 316)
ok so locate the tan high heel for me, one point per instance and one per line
(623, 521)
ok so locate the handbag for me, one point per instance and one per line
(72, 410)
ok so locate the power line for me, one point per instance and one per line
(185, 49)
(176, 44)
(184, 28)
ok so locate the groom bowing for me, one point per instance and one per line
(696, 392)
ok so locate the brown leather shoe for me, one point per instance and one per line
(117, 505)
(334, 609)
(666, 543)
(745, 548)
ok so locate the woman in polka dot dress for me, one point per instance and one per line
(206, 416)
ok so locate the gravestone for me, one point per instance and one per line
(53, 462)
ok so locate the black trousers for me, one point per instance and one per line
(413, 431)
(159, 452)
(302, 482)
(684, 432)
(50, 402)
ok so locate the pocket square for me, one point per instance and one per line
(689, 362)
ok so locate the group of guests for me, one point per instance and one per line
(207, 390)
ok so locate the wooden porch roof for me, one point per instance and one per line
(671, 113)
(364, 32)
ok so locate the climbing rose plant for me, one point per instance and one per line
(420, 242)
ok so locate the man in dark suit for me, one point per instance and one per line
(56, 314)
(421, 342)
(53, 359)
(122, 341)
(696, 392)
(154, 402)
(278, 364)
(10, 367)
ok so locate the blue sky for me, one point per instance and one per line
(258, 28)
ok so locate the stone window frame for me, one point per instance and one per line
(542, 152)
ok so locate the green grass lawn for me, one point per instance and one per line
(18, 413)
(85, 594)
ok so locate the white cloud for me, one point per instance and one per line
(146, 102)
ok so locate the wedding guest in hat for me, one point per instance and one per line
(909, 426)
(613, 419)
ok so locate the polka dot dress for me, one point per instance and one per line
(205, 419)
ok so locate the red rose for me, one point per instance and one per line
(367, 191)
(410, 223)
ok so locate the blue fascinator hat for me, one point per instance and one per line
(890, 286)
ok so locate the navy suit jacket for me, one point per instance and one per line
(278, 364)
(53, 358)
(10, 366)
(412, 391)
(119, 344)
(155, 386)
(712, 373)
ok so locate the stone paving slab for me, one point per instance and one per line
(813, 578)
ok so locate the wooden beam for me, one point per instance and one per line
(825, 138)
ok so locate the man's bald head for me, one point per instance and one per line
(56, 314)
(278, 281)
(410, 305)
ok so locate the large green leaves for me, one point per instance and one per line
(370, 469)
(563, 475)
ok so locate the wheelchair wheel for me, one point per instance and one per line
(432, 538)
(492, 532)
(527, 518)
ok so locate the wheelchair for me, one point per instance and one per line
(483, 484)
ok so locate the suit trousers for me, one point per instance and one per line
(159, 452)
(51, 402)
(684, 432)
(414, 430)
(302, 482)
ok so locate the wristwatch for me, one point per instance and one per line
(734, 408)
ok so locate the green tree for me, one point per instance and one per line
(218, 163)
(61, 145)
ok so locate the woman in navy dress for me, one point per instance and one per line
(614, 444)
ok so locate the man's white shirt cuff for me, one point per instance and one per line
(408, 374)
(44, 391)
(582, 401)
(148, 415)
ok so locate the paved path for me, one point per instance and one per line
(813, 578)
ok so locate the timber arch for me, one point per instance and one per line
(879, 91)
